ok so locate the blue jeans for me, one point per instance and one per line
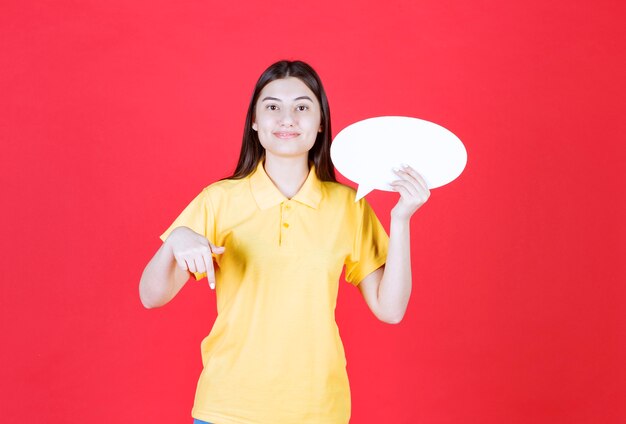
(197, 421)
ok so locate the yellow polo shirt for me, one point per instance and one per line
(274, 355)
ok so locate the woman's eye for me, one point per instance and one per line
(302, 108)
(272, 107)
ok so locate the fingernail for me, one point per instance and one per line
(396, 169)
(404, 165)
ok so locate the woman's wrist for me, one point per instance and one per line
(400, 219)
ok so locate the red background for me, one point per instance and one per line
(115, 114)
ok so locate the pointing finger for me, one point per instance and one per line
(210, 272)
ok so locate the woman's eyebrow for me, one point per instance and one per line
(278, 100)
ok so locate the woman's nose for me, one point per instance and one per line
(287, 118)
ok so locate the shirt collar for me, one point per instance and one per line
(266, 194)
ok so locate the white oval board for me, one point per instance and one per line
(367, 151)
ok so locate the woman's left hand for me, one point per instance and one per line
(413, 191)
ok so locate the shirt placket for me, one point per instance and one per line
(286, 210)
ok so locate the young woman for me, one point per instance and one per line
(281, 230)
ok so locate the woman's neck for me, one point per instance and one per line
(287, 174)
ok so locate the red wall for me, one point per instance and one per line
(113, 115)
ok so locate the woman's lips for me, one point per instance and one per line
(286, 134)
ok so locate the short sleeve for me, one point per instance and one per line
(371, 242)
(198, 216)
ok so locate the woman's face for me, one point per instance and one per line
(287, 118)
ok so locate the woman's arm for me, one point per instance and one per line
(387, 290)
(162, 279)
(183, 252)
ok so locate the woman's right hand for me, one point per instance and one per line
(193, 252)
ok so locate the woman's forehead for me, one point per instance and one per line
(289, 88)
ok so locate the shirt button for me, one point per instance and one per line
(285, 225)
(287, 207)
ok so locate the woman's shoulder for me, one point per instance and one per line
(225, 187)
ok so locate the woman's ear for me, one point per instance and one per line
(254, 127)
(321, 129)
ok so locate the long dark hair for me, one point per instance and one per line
(252, 151)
